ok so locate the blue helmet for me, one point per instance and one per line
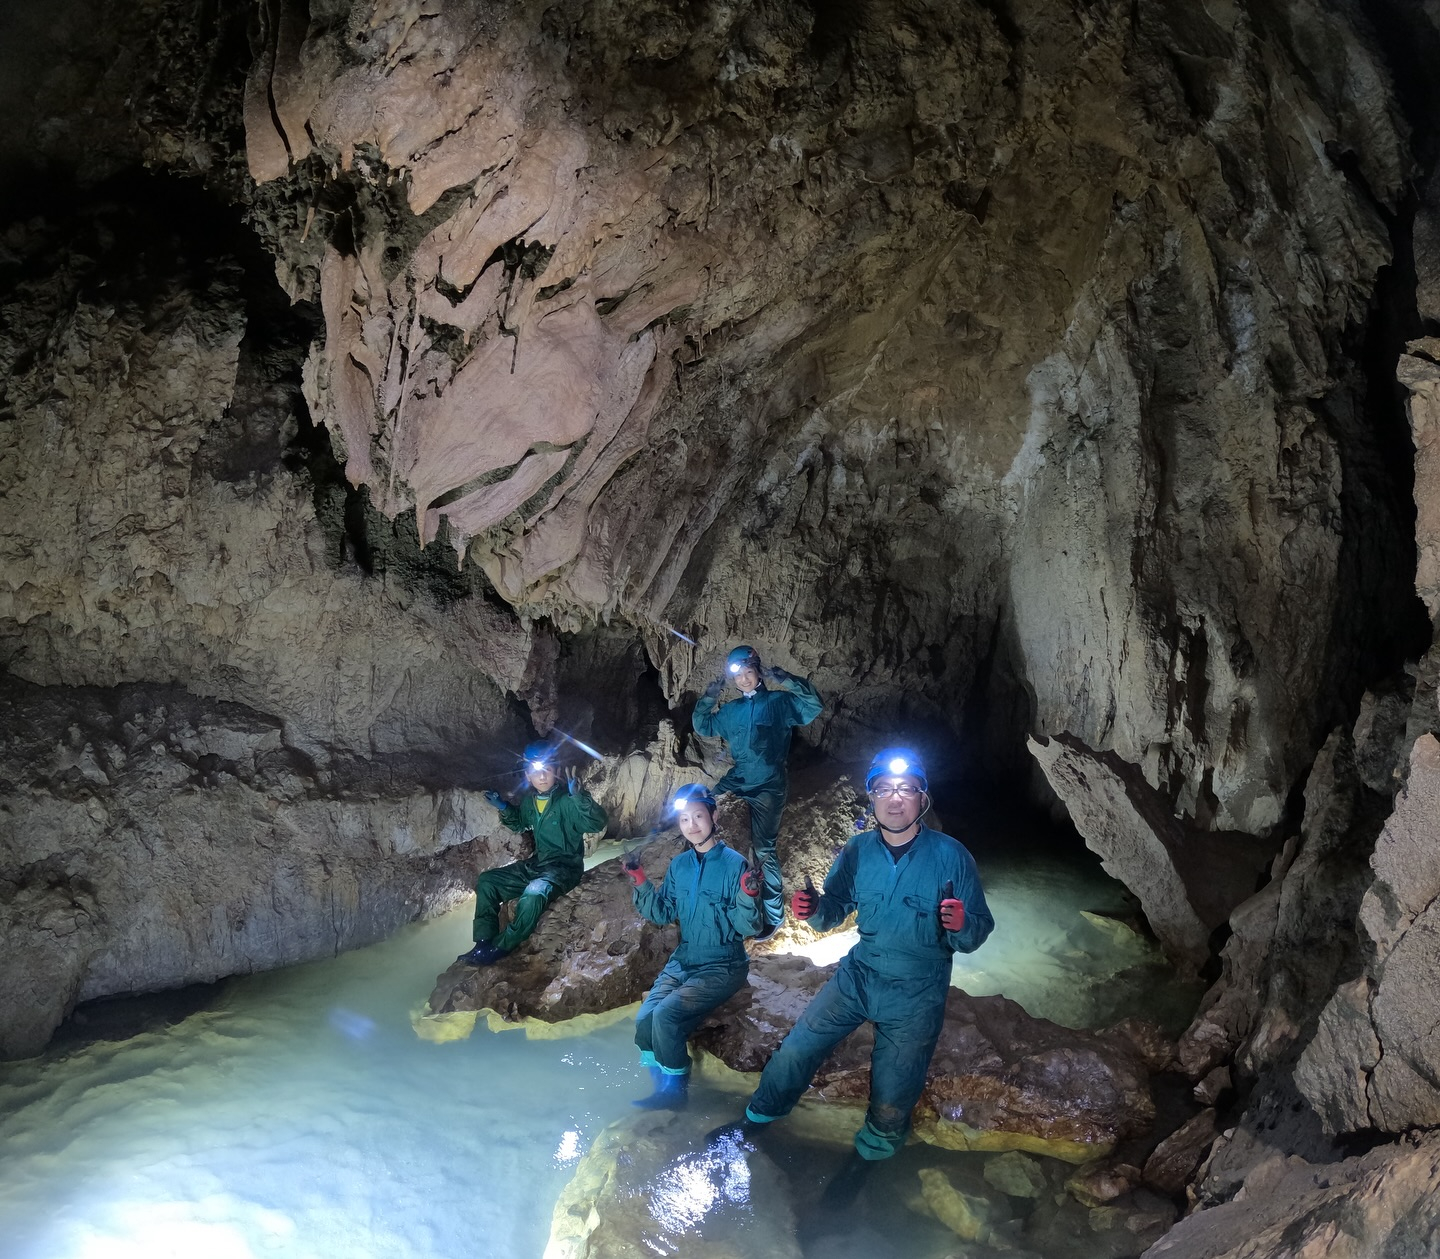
(741, 657)
(693, 793)
(897, 761)
(540, 756)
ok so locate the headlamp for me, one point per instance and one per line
(899, 765)
(679, 803)
(537, 766)
(734, 668)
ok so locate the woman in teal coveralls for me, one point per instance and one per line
(710, 890)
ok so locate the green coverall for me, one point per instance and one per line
(556, 867)
(897, 977)
(756, 730)
(702, 893)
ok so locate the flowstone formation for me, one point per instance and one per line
(841, 327)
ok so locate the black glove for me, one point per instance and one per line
(496, 799)
(774, 675)
(713, 690)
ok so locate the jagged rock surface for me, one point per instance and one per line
(149, 839)
(1375, 1058)
(1187, 882)
(999, 1078)
(1385, 1203)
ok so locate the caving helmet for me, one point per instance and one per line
(740, 658)
(540, 756)
(693, 793)
(897, 761)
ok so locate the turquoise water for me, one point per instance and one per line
(298, 1116)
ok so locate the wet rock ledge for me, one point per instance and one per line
(1000, 1079)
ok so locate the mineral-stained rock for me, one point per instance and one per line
(1173, 1162)
(1386, 1202)
(999, 1079)
(1213, 1086)
(963, 1214)
(1187, 882)
(1102, 1181)
(1374, 1059)
(653, 1185)
(591, 953)
(1016, 1174)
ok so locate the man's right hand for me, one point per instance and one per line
(496, 799)
(804, 903)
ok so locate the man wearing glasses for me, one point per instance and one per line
(919, 902)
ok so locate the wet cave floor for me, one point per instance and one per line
(296, 1114)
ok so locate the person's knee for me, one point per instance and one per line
(538, 887)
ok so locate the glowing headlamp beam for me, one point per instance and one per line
(734, 668)
(584, 747)
(899, 766)
(679, 635)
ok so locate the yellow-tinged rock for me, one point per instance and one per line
(959, 1212)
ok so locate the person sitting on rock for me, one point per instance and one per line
(710, 890)
(756, 728)
(559, 821)
(919, 901)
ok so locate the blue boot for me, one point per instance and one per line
(672, 1092)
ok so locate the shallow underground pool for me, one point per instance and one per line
(298, 1115)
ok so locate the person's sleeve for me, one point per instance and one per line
(805, 702)
(978, 921)
(837, 900)
(656, 904)
(590, 811)
(744, 911)
(512, 817)
(706, 717)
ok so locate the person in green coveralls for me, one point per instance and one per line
(710, 890)
(756, 728)
(559, 820)
(919, 902)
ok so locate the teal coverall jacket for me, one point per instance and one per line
(757, 730)
(703, 894)
(897, 978)
(556, 867)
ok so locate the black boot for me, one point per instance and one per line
(483, 954)
(840, 1194)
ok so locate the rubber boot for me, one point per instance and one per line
(483, 954)
(672, 1092)
(841, 1192)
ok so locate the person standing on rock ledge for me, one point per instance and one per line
(559, 821)
(756, 729)
(919, 902)
(711, 891)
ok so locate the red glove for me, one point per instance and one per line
(952, 914)
(750, 882)
(804, 903)
(635, 872)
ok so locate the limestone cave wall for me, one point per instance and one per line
(383, 381)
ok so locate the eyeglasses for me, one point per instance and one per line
(905, 791)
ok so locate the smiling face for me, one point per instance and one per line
(541, 779)
(696, 825)
(748, 677)
(898, 803)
